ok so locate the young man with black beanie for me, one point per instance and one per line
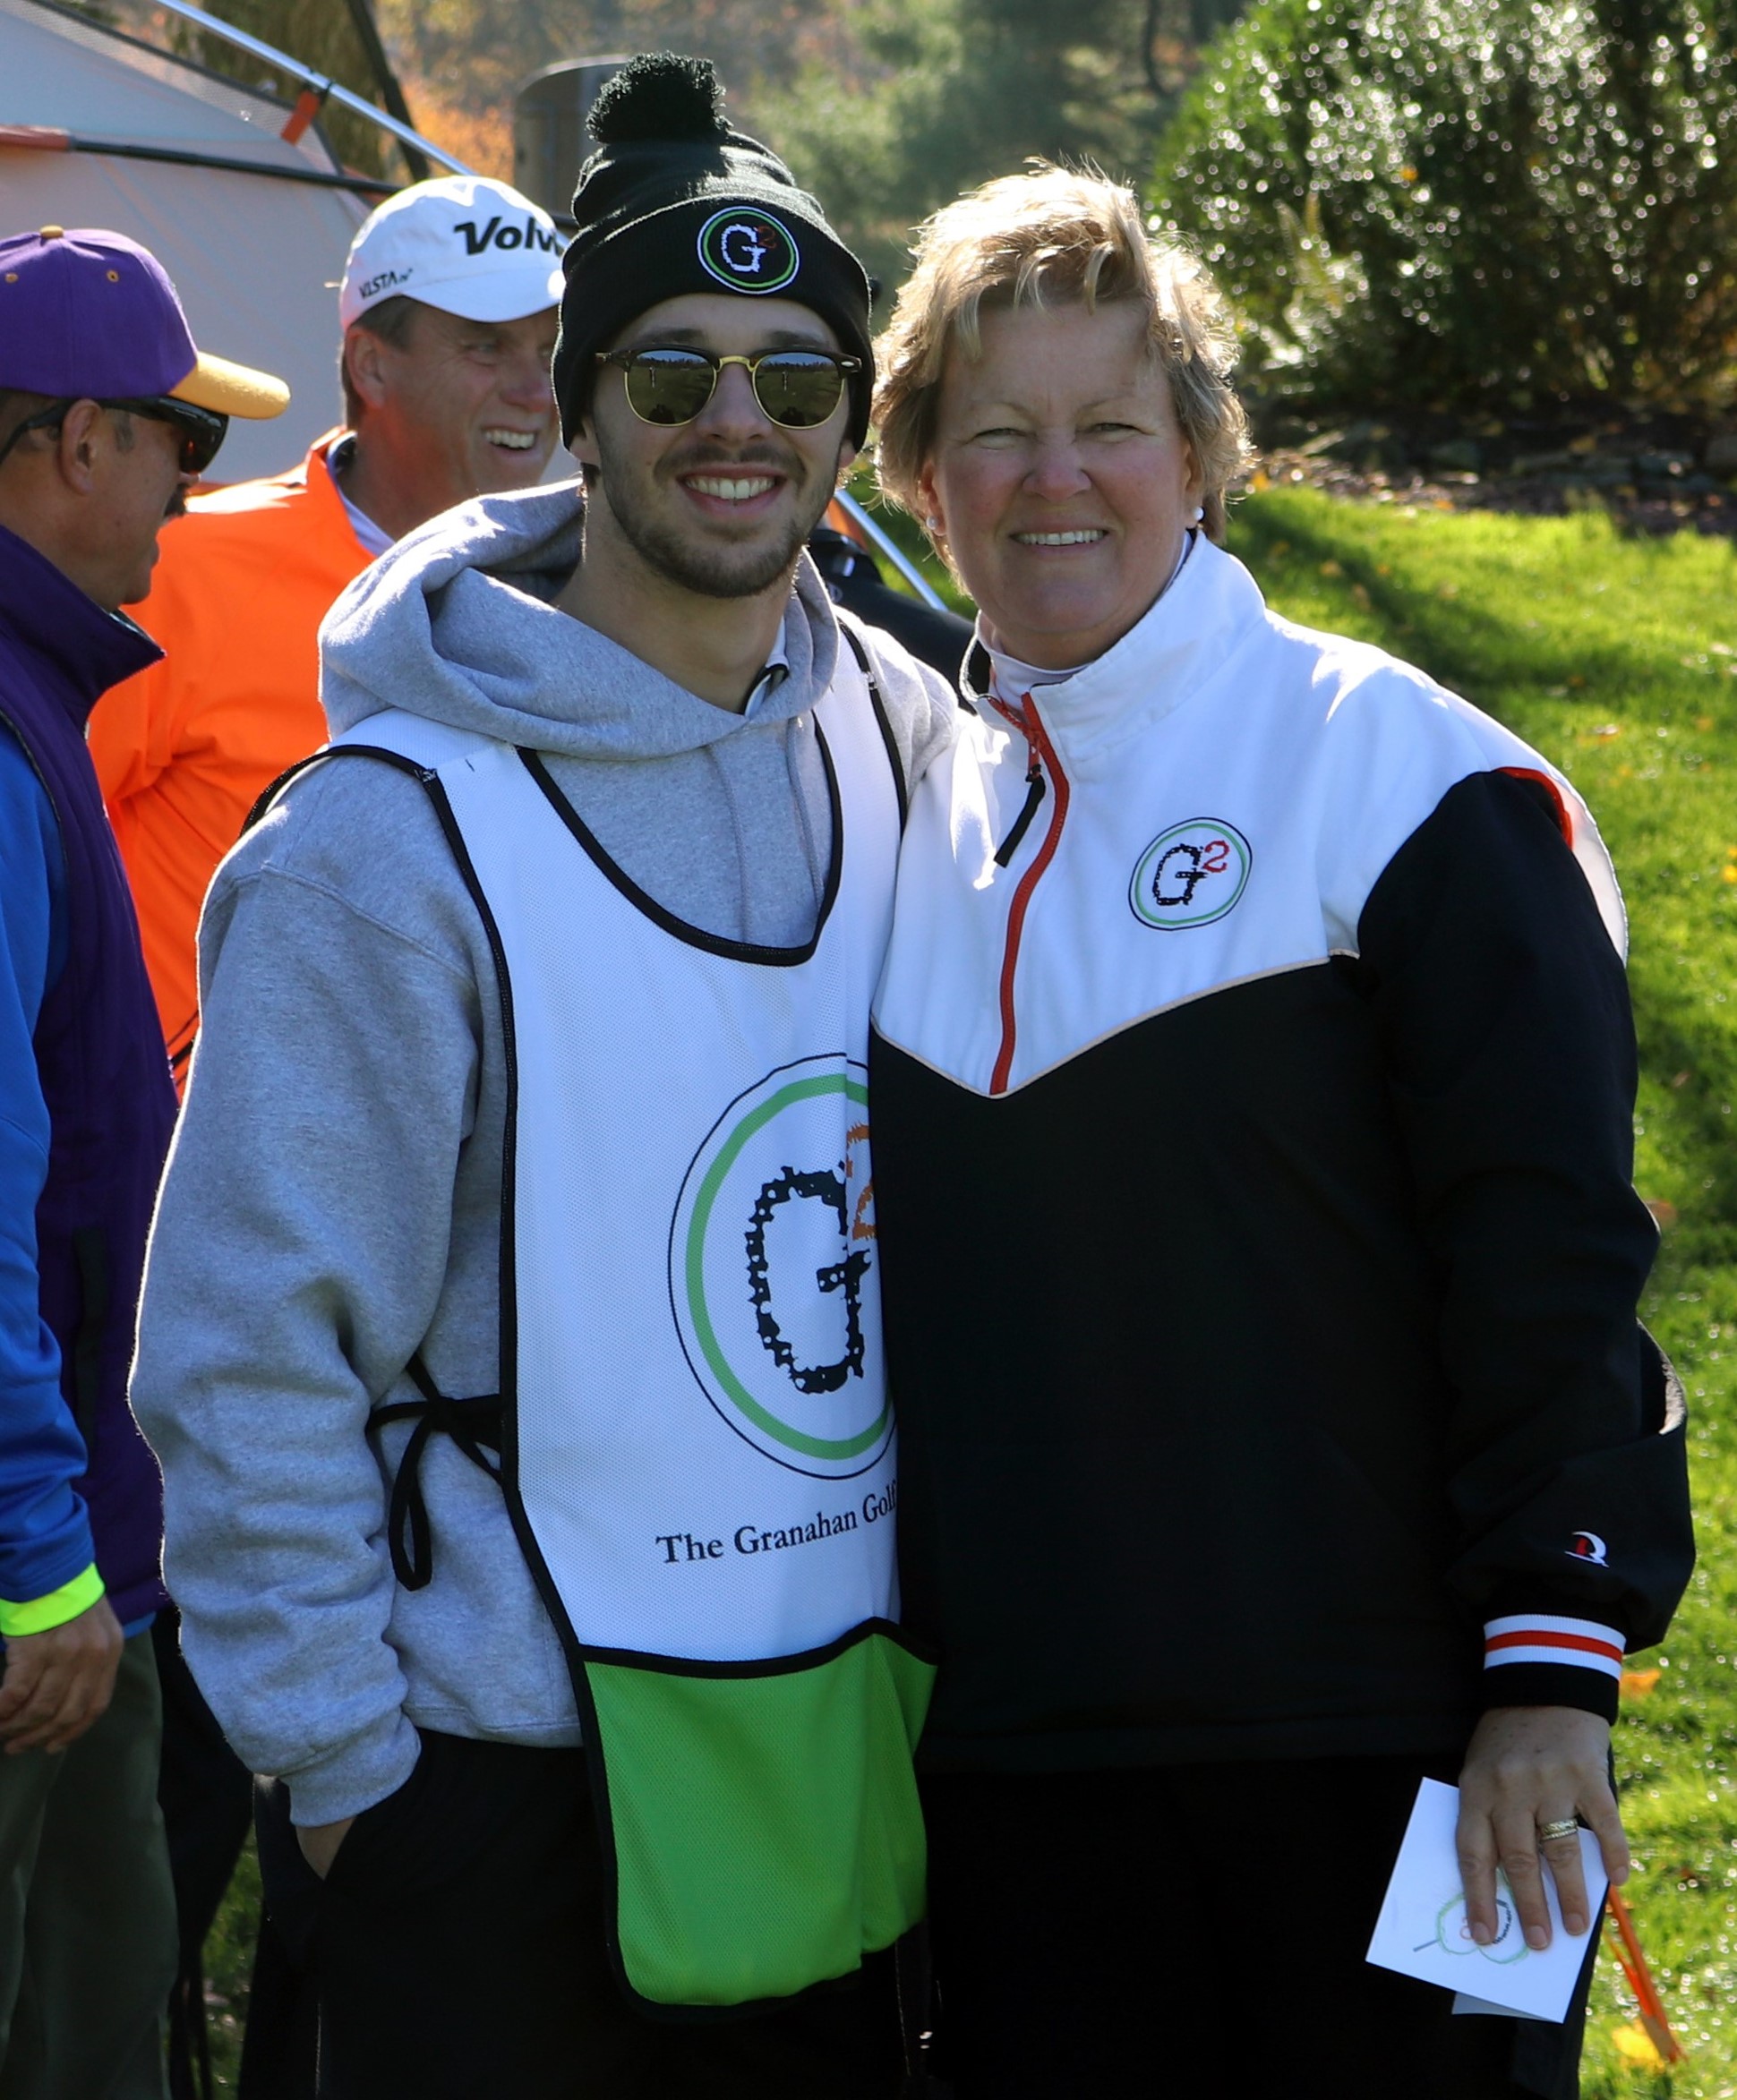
(511, 1332)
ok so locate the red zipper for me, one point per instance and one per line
(1043, 755)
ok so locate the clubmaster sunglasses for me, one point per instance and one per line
(199, 430)
(797, 390)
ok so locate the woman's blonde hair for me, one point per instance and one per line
(1047, 238)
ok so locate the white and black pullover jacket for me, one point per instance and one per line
(1252, 1081)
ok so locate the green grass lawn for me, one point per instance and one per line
(1618, 659)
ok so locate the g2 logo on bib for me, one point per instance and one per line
(773, 1279)
(1190, 876)
(749, 251)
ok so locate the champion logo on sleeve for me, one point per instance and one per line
(1538, 1637)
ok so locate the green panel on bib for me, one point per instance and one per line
(766, 1829)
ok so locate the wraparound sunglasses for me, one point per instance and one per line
(199, 430)
(797, 390)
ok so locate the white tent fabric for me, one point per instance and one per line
(256, 262)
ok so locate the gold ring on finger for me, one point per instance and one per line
(1552, 1834)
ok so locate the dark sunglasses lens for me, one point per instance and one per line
(201, 431)
(200, 443)
(797, 389)
(668, 386)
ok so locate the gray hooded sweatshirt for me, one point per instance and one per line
(332, 1201)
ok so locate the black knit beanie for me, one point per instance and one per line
(674, 202)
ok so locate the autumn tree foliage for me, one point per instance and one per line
(885, 107)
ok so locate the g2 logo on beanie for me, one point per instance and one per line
(749, 251)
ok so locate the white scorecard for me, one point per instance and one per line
(1421, 1931)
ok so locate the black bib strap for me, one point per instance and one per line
(473, 1425)
(866, 664)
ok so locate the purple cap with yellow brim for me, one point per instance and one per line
(90, 315)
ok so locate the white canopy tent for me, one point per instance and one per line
(255, 258)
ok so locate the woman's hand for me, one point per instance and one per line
(1529, 1766)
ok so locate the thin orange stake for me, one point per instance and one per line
(1626, 1950)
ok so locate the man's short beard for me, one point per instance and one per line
(709, 572)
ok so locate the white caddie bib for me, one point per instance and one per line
(698, 1440)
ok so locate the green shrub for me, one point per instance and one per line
(1449, 202)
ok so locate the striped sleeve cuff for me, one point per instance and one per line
(1539, 1659)
(42, 1614)
(1536, 1637)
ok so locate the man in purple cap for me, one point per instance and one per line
(107, 413)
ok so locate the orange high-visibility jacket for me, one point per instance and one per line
(185, 748)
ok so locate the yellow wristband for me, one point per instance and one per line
(41, 1615)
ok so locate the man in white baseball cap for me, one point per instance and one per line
(467, 244)
(447, 308)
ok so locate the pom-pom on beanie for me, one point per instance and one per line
(673, 201)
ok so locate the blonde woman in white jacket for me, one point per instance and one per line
(1251, 1078)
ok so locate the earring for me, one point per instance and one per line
(1199, 512)
(932, 524)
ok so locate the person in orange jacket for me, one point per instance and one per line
(447, 308)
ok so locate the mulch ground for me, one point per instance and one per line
(1654, 472)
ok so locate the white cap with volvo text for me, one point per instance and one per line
(466, 244)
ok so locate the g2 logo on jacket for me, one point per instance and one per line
(749, 251)
(1190, 876)
(773, 1275)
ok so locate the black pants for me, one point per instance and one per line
(458, 1945)
(206, 1794)
(1115, 1936)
